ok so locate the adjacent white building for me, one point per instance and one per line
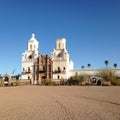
(61, 61)
(29, 57)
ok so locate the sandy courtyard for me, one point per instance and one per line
(59, 103)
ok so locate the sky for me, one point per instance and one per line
(91, 29)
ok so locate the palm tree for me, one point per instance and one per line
(82, 67)
(89, 65)
(106, 63)
(115, 65)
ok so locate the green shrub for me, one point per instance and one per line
(47, 82)
(109, 76)
(77, 80)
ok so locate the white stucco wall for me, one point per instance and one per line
(29, 57)
(60, 58)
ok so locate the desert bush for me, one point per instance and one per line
(106, 74)
(47, 82)
(109, 76)
(115, 81)
(77, 80)
(16, 83)
(62, 82)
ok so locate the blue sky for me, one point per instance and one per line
(91, 28)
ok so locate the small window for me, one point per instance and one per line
(28, 77)
(58, 77)
(59, 55)
(58, 69)
(30, 57)
(76, 73)
(6, 79)
(30, 47)
(29, 69)
(44, 68)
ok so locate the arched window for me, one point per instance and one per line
(30, 57)
(59, 69)
(28, 77)
(59, 45)
(44, 68)
(28, 69)
(59, 55)
(30, 47)
(76, 73)
(58, 77)
(6, 79)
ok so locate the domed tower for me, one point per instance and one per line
(29, 57)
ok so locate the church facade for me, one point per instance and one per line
(42, 68)
(36, 66)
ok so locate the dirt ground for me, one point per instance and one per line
(59, 103)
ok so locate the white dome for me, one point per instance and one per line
(33, 38)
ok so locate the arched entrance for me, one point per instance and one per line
(96, 81)
(6, 79)
(99, 82)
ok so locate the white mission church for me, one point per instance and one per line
(62, 66)
(60, 57)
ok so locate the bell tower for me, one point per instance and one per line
(33, 44)
(60, 44)
(60, 58)
(29, 57)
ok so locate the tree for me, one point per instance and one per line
(106, 63)
(77, 80)
(89, 65)
(115, 65)
(82, 66)
(107, 74)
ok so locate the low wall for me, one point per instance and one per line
(14, 82)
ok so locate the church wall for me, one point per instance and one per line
(59, 76)
(82, 72)
(59, 65)
(27, 67)
(92, 72)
